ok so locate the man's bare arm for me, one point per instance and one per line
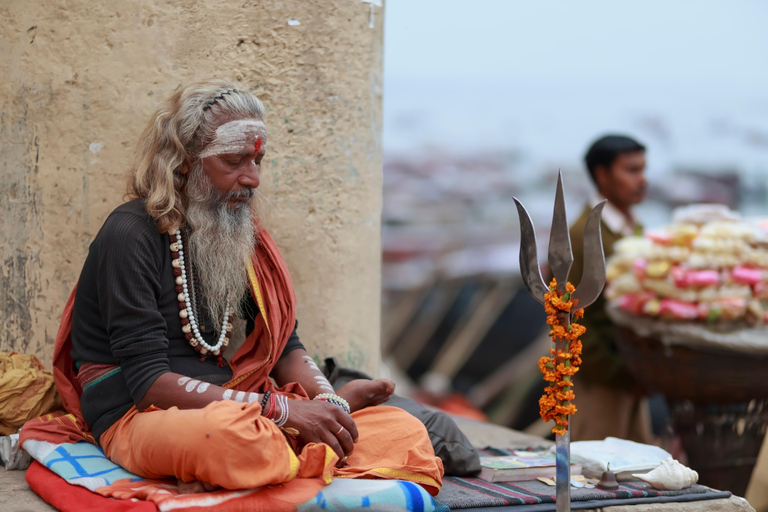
(298, 366)
(172, 389)
(318, 422)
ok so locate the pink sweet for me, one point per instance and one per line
(698, 278)
(679, 309)
(747, 275)
(658, 237)
(703, 278)
(680, 276)
(634, 302)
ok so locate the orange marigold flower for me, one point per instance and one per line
(577, 330)
(562, 364)
(550, 377)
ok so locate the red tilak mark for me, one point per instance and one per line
(257, 146)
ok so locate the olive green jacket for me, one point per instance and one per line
(601, 363)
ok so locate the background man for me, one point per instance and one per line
(607, 397)
(143, 342)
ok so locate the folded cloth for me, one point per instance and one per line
(450, 444)
(26, 391)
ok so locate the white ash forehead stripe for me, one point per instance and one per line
(238, 126)
(235, 136)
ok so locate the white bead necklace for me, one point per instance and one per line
(190, 328)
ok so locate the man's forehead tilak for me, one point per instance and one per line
(240, 136)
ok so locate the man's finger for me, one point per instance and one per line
(349, 424)
(345, 439)
(329, 439)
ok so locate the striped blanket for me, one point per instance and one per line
(464, 493)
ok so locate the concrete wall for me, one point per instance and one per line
(79, 81)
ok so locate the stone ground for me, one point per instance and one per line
(16, 496)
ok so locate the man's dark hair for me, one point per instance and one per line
(606, 149)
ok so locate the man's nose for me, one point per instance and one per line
(250, 178)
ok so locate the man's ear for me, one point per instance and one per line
(184, 169)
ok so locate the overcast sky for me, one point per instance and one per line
(716, 41)
(688, 77)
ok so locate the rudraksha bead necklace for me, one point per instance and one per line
(186, 312)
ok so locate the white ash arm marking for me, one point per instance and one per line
(322, 383)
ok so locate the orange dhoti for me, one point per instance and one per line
(230, 445)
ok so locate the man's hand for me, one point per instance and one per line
(322, 422)
(362, 393)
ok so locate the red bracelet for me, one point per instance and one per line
(272, 407)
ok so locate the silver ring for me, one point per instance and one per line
(340, 429)
(346, 458)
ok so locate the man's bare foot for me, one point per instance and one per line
(361, 393)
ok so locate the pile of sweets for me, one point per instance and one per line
(708, 266)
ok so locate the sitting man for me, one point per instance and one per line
(153, 311)
(607, 397)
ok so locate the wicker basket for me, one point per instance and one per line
(718, 401)
(699, 375)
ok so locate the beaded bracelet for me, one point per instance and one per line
(334, 399)
(265, 399)
(280, 421)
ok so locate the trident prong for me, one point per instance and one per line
(560, 254)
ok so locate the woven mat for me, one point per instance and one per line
(466, 493)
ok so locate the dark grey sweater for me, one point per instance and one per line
(126, 313)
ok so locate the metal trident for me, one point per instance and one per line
(560, 253)
(588, 290)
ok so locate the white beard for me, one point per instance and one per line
(221, 241)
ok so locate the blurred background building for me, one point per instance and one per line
(488, 100)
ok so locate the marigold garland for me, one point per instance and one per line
(561, 365)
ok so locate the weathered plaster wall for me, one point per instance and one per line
(80, 79)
